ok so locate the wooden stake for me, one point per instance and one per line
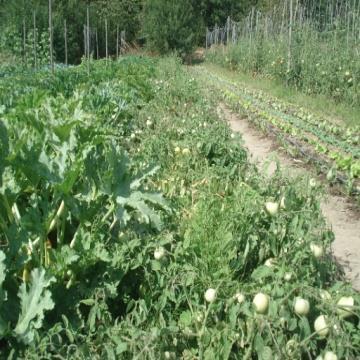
(66, 45)
(24, 41)
(85, 42)
(228, 23)
(106, 40)
(283, 18)
(251, 25)
(117, 42)
(51, 42)
(34, 40)
(290, 34)
(206, 38)
(88, 36)
(97, 44)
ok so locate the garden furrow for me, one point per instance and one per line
(344, 222)
(337, 159)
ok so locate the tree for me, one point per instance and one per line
(170, 25)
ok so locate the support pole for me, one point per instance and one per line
(290, 35)
(51, 42)
(66, 45)
(88, 36)
(228, 23)
(85, 42)
(97, 44)
(117, 42)
(24, 42)
(34, 40)
(106, 40)
(206, 38)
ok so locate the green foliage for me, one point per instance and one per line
(322, 57)
(95, 165)
(170, 26)
(217, 11)
(123, 13)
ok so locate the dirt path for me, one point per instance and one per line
(344, 222)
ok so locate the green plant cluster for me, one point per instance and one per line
(11, 40)
(132, 225)
(321, 63)
(336, 145)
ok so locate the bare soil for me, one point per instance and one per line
(338, 212)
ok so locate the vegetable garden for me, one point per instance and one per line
(133, 226)
(332, 148)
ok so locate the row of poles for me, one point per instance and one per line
(92, 33)
(88, 32)
(282, 21)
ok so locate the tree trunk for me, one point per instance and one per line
(51, 42)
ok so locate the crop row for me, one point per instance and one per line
(337, 148)
(133, 226)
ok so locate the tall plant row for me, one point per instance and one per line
(51, 35)
(314, 48)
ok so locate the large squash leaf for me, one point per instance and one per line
(34, 303)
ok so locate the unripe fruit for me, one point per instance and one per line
(329, 355)
(270, 262)
(301, 307)
(199, 317)
(345, 306)
(272, 208)
(159, 253)
(317, 250)
(239, 297)
(312, 183)
(210, 295)
(261, 303)
(321, 326)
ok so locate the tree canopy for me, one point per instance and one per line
(163, 25)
